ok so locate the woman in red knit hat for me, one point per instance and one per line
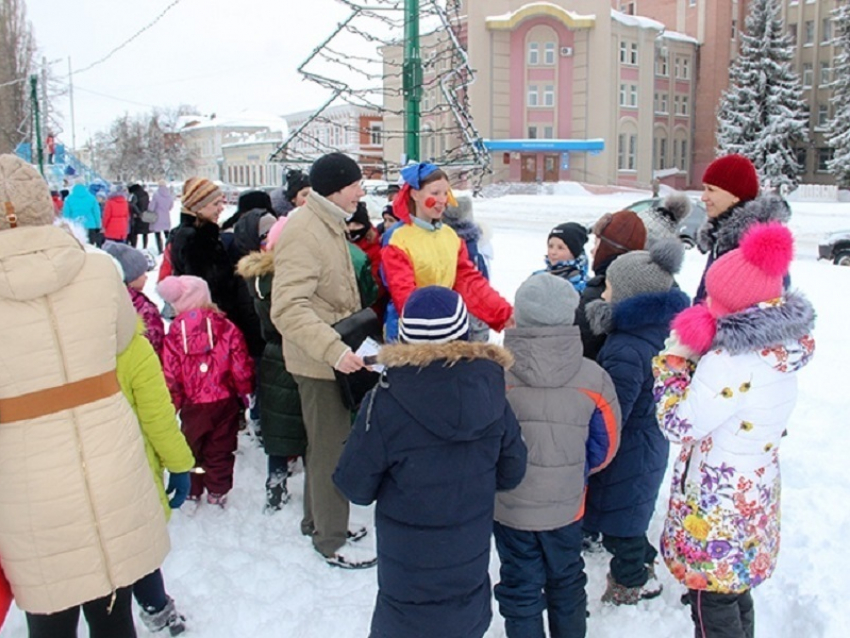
(732, 202)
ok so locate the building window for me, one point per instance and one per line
(628, 8)
(548, 95)
(633, 53)
(621, 152)
(548, 132)
(792, 33)
(823, 115)
(623, 95)
(826, 31)
(628, 95)
(533, 54)
(824, 74)
(532, 132)
(808, 75)
(629, 53)
(662, 153)
(734, 29)
(376, 137)
(675, 105)
(626, 152)
(663, 106)
(532, 96)
(685, 106)
(692, 3)
(824, 155)
(633, 95)
(809, 33)
(549, 53)
(683, 68)
(631, 160)
(624, 52)
(683, 157)
(661, 62)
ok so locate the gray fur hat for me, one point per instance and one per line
(544, 300)
(462, 212)
(645, 271)
(662, 222)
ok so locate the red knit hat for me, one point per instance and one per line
(734, 174)
(618, 233)
(752, 273)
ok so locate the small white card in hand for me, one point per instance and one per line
(370, 348)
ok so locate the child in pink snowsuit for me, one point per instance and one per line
(209, 372)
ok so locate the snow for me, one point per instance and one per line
(637, 21)
(243, 119)
(241, 573)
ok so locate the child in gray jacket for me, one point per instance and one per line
(570, 418)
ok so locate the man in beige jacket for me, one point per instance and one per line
(315, 287)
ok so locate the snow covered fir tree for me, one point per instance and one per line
(762, 114)
(839, 126)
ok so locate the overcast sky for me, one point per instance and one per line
(223, 56)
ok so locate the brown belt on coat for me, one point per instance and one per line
(64, 397)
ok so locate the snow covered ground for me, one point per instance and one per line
(241, 574)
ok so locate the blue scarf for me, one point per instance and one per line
(574, 271)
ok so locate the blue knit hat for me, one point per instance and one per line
(433, 314)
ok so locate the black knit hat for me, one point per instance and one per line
(573, 235)
(295, 182)
(333, 172)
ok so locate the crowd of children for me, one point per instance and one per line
(556, 443)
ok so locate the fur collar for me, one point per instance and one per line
(465, 229)
(763, 326)
(423, 354)
(651, 309)
(724, 233)
(256, 264)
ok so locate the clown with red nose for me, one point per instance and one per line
(422, 251)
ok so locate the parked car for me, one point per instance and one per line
(836, 247)
(689, 226)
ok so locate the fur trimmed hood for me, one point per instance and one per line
(724, 233)
(420, 355)
(650, 309)
(255, 264)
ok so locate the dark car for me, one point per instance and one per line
(836, 248)
(690, 224)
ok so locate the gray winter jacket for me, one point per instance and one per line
(570, 417)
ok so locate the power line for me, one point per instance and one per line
(112, 97)
(130, 39)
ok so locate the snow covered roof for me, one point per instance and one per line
(336, 110)
(244, 119)
(636, 21)
(679, 37)
(508, 21)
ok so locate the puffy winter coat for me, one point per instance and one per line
(721, 234)
(722, 527)
(143, 384)
(116, 218)
(314, 287)
(592, 292)
(82, 207)
(570, 420)
(205, 359)
(154, 326)
(246, 240)
(161, 203)
(621, 498)
(197, 249)
(138, 202)
(79, 513)
(432, 444)
(414, 257)
(280, 403)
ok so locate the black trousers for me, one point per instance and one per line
(103, 623)
(722, 615)
(632, 555)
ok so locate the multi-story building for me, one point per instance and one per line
(246, 160)
(207, 138)
(716, 25)
(574, 90)
(354, 130)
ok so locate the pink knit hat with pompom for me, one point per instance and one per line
(185, 292)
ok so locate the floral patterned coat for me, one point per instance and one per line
(730, 413)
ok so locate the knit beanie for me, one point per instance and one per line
(133, 262)
(24, 195)
(185, 292)
(433, 314)
(753, 272)
(333, 172)
(734, 174)
(573, 235)
(197, 193)
(619, 233)
(663, 221)
(645, 271)
(252, 200)
(545, 300)
(461, 212)
(265, 224)
(295, 182)
(274, 232)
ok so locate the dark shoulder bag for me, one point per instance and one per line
(354, 330)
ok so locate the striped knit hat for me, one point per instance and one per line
(433, 314)
(197, 193)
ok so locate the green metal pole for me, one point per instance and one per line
(412, 79)
(36, 122)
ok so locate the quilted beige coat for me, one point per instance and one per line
(79, 511)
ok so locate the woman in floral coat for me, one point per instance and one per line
(729, 411)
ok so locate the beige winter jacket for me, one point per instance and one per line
(79, 512)
(314, 287)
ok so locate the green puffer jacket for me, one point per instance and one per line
(280, 404)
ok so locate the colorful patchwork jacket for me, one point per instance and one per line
(730, 412)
